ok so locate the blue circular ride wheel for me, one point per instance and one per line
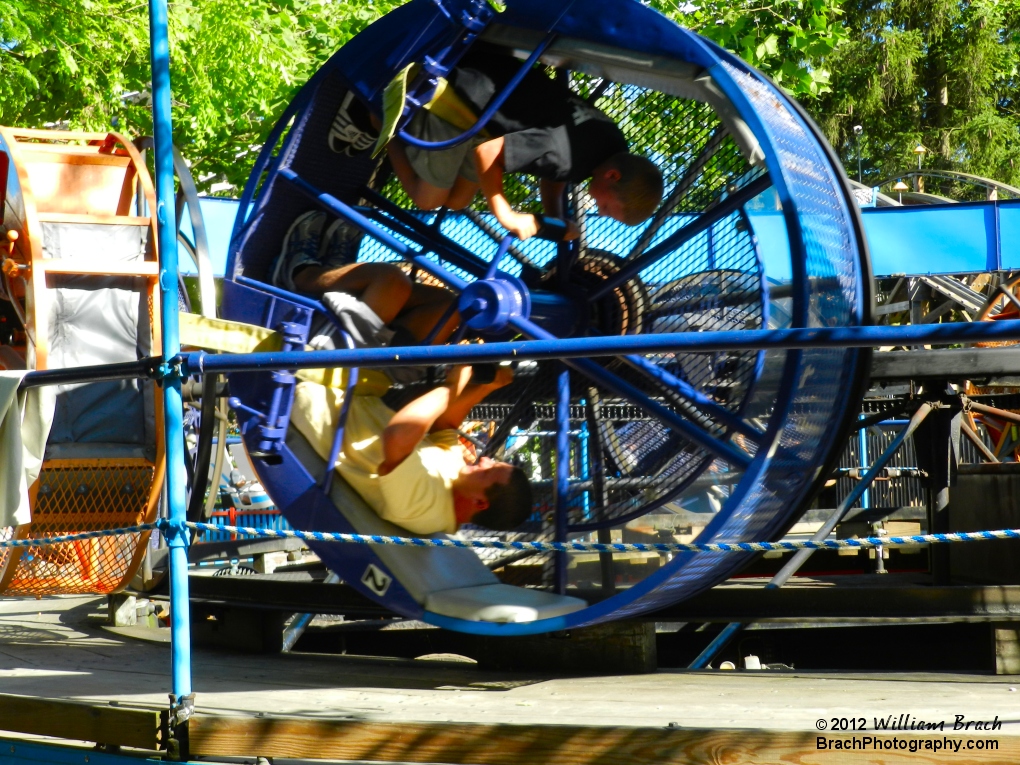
(758, 229)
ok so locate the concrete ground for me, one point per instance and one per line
(51, 648)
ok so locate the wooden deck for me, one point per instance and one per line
(346, 707)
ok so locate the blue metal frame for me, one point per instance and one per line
(490, 110)
(367, 64)
(562, 476)
(173, 409)
(553, 348)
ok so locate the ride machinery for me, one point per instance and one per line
(80, 272)
(743, 436)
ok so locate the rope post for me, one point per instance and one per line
(181, 697)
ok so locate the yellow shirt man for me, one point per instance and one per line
(409, 466)
(418, 493)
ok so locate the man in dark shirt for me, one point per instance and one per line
(542, 129)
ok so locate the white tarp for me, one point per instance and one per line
(25, 420)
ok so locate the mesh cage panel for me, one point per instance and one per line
(77, 496)
(818, 398)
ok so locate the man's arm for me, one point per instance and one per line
(473, 394)
(490, 162)
(412, 423)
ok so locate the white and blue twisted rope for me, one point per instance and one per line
(658, 547)
(620, 547)
(57, 539)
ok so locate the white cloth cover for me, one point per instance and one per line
(25, 420)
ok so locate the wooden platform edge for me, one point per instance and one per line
(81, 721)
(480, 744)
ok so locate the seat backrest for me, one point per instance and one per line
(309, 152)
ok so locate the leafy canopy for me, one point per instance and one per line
(940, 73)
(236, 64)
(943, 73)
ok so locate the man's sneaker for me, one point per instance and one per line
(341, 243)
(300, 248)
(352, 132)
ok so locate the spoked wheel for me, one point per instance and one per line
(755, 200)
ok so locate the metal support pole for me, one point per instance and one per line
(173, 411)
(975, 439)
(562, 474)
(801, 556)
(862, 445)
(597, 470)
(547, 346)
(938, 454)
(995, 412)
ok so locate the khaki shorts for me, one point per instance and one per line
(441, 168)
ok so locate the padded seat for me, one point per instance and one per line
(501, 603)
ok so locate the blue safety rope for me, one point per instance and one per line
(617, 547)
(57, 539)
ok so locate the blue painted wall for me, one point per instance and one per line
(936, 239)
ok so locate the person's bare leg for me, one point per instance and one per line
(423, 310)
(424, 195)
(462, 193)
(383, 287)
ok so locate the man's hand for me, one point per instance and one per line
(457, 379)
(470, 395)
(524, 226)
(504, 376)
(521, 225)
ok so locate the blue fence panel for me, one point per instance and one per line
(219, 214)
(936, 239)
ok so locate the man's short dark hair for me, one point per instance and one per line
(510, 504)
(640, 187)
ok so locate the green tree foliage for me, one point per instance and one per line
(235, 64)
(942, 73)
(789, 40)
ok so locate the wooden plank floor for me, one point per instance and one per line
(50, 649)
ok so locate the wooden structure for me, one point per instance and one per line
(81, 260)
(211, 736)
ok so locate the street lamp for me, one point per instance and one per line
(900, 187)
(857, 142)
(920, 151)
